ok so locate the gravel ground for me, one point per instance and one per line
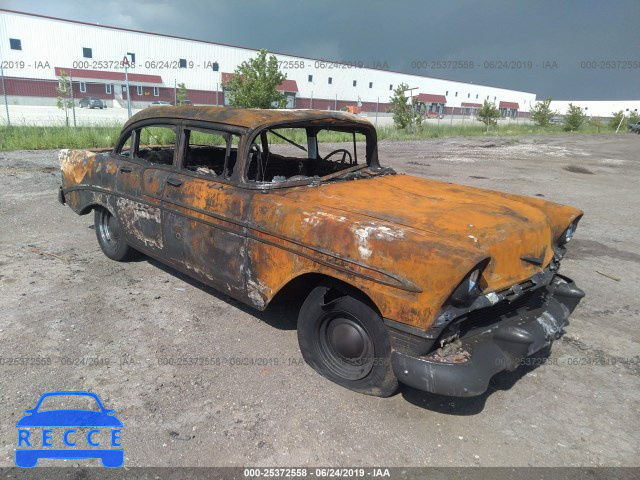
(63, 301)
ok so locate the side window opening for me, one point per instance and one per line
(291, 154)
(125, 149)
(210, 152)
(156, 144)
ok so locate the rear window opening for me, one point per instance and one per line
(210, 152)
(280, 155)
(156, 144)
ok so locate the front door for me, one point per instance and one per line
(203, 212)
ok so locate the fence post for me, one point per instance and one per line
(73, 101)
(4, 93)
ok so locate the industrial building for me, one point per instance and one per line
(36, 50)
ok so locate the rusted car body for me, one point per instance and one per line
(439, 286)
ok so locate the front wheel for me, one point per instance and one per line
(110, 237)
(344, 339)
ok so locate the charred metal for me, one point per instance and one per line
(257, 202)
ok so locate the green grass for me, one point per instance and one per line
(48, 138)
(27, 137)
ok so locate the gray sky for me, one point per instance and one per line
(559, 35)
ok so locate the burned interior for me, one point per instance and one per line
(299, 152)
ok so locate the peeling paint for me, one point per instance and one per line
(379, 232)
(133, 215)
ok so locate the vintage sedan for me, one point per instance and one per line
(435, 285)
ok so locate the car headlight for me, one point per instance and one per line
(468, 288)
(568, 233)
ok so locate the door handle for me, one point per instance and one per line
(125, 169)
(174, 182)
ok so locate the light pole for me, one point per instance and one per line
(4, 93)
(125, 61)
(215, 67)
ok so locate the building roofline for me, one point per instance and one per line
(48, 17)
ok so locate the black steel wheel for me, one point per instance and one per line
(345, 340)
(110, 236)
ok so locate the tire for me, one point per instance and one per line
(343, 339)
(110, 236)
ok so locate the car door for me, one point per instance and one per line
(203, 211)
(141, 178)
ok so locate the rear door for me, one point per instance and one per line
(203, 211)
(141, 179)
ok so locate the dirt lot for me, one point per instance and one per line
(63, 300)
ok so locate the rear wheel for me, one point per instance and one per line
(343, 339)
(110, 237)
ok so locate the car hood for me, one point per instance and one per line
(503, 226)
(69, 418)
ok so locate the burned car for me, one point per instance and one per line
(404, 279)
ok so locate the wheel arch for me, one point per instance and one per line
(299, 288)
(86, 200)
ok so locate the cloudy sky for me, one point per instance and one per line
(576, 49)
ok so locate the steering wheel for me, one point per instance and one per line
(344, 155)
(254, 148)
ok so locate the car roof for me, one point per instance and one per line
(251, 118)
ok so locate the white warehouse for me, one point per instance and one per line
(35, 50)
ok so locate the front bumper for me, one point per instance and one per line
(501, 345)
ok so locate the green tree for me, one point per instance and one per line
(574, 119)
(616, 119)
(596, 122)
(488, 114)
(181, 94)
(633, 118)
(404, 114)
(64, 100)
(541, 113)
(419, 114)
(254, 83)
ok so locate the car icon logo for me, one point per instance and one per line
(60, 428)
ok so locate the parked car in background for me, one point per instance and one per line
(557, 119)
(160, 103)
(634, 127)
(92, 102)
(435, 115)
(404, 279)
